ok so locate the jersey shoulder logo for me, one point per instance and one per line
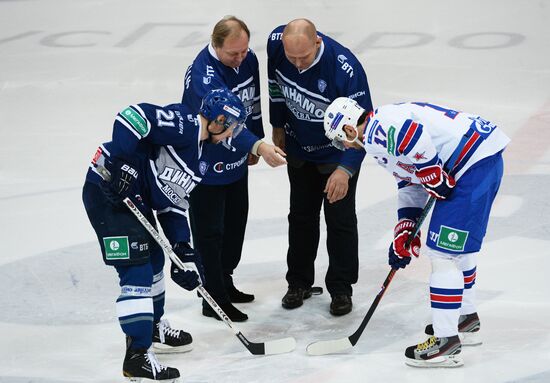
(136, 121)
(345, 66)
(322, 85)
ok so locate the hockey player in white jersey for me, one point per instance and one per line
(455, 157)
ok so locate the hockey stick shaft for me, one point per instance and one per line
(331, 346)
(273, 347)
(357, 334)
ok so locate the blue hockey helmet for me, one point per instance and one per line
(224, 102)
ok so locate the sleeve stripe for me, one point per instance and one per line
(409, 134)
(136, 107)
(128, 126)
(173, 210)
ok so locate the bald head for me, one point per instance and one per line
(300, 27)
(301, 43)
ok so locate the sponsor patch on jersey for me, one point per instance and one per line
(391, 140)
(482, 126)
(452, 239)
(322, 85)
(218, 167)
(409, 168)
(116, 248)
(136, 121)
(275, 91)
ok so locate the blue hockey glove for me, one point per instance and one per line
(123, 176)
(436, 181)
(398, 255)
(193, 274)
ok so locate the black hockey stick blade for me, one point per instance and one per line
(272, 347)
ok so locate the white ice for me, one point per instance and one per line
(66, 69)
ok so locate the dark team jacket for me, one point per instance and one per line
(207, 73)
(163, 144)
(298, 99)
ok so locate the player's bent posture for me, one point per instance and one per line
(155, 159)
(455, 157)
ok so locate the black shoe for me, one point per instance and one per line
(142, 363)
(231, 311)
(341, 304)
(295, 296)
(236, 296)
(168, 340)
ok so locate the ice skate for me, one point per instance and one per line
(435, 352)
(168, 340)
(468, 330)
(141, 365)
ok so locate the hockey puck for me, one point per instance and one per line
(316, 290)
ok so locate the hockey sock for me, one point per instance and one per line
(468, 264)
(157, 292)
(134, 306)
(446, 288)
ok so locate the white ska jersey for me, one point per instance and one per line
(409, 136)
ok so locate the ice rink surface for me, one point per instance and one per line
(67, 68)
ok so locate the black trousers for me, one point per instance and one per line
(307, 183)
(218, 215)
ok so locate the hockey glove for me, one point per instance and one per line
(398, 255)
(436, 181)
(123, 176)
(193, 273)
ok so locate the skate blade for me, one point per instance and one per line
(145, 380)
(470, 338)
(449, 361)
(164, 349)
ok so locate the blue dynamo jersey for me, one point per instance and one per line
(298, 99)
(164, 145)
(207, 73)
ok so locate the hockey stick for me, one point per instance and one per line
(278, 346)
(324, 347)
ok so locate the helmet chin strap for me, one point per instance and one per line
(356, 139)
(360, 143)
(210, 134)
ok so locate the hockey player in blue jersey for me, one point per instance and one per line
(219, 205)
(307, 70)
(455, 157)
(156, 159)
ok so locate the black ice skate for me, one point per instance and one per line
(169, 340)
(435, 352)
(141, 365)
(468, 330)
